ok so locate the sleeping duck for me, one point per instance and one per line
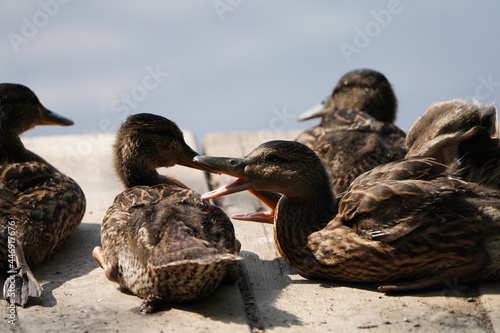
(160, 240)
(406, 225)
(357, 130)
(463, 133)
(40, 208)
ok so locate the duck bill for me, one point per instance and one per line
(239, 185)
(234, 167)
(51, 118)
(270, 199)
(186, 159)
(316, 111)
(260, 217)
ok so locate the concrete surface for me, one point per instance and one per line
(283, 299)
(270, 297)
(76, 296)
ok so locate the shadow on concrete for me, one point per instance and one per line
(449, 288)
(221, 305)
(73, 260)
(259, 295)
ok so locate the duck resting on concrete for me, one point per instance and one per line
(357, 130)
(160, 240)
(40, 207)
(405, 225)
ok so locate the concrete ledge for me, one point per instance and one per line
(78, 298)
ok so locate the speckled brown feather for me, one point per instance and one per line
(356, 132)
(47, 207)
(409, 224)
(160, 240)
(154, 233)
(393, 229)
(461, 133)
(39, 206)
(413, 240)
(353, 143)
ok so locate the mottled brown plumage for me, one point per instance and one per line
(405, 225)
(40, 208)
(160, 240)
(356, 132)
(463, 133)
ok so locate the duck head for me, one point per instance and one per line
(446, 128)
(20, 110)
(146, 142)
(286, 167)
(363, 89)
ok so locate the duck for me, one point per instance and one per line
(363, 89)
(404, 225)
(40, 207)
(160, 239)
(463, 133)
(357, 130)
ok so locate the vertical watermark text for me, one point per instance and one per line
(10, 291)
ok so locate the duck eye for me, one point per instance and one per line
(344, 85)
(273, 158)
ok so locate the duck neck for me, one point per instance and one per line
(132, 164)
(296, 219)
(135, 174)
(12, 150)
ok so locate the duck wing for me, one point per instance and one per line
(180, 211)
(40, 209)
(165, 243)
(392, 200)
(49, 206)
(410, 168)
(171, 232)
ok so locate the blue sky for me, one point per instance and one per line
(241, 65)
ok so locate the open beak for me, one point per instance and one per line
(229, 166)
(261, 217)
(238, 185)
(270, 199)
(236, 167)
(48, 117)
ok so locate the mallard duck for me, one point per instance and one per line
(40, 208)
(160, 240)
(405, 225)
(356, 132)
(362, 89)
(460, 132)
